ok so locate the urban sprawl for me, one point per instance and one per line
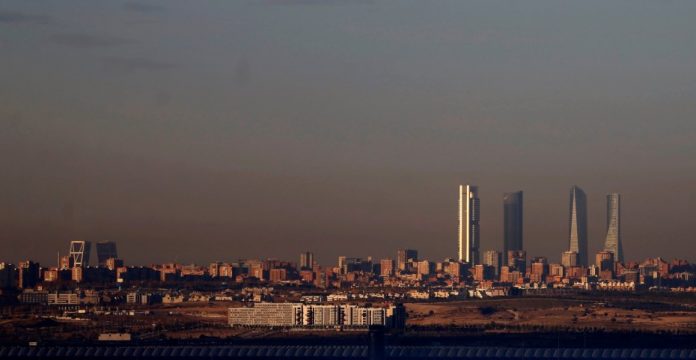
(356, 292)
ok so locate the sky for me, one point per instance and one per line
(217, 130)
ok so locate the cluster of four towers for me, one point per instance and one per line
(469, 231)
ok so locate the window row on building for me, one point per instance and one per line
(298, 314)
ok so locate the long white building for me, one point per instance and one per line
(297, 314)
(267, 314)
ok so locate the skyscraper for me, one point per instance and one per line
(469, 232)
(569, 259)
(512, 223)
(612, 242)
(105, 251)
(386, 267)
(494, 259)
(29, 274)
(577, 224)
(79, 252)
(306, 260)
(605, 260)
(517, 259)
(402, 257)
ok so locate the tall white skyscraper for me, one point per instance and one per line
(612, 242)
(469, 232)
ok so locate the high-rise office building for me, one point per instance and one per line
(8, 276)
(403, 256)
(105, 251)
(494, 259)
(605, 260)
(539, 269)
(577, 224)
(29, 274)
(469, 232)
(306, 260)
(386, 267)
(512, 222)
(79, 253)
(517, 260)
(424, 268)
(612, 242)
(569, 259)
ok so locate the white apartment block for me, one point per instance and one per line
(58, 298)
(267, 314)
(297, 314)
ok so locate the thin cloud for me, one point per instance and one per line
(10, 17)
(88, 41)
(142, 7)
(135, 64)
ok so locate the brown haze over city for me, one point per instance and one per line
(199, 131)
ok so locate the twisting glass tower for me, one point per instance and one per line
(612, 242)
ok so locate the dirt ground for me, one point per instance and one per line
(526, 313)
(649, 314)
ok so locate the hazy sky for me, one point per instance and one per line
(215, 130)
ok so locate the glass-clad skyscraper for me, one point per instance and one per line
(105, 251)
(577, 224)
(612, 242)
(512, 223)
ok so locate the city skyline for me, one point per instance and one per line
(468, 233)
(261, 178)
(188, 129)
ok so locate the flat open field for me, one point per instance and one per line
(514, 319)
(525, 314)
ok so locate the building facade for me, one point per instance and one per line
(403, 256)
(79, 253)
(469, 231)
(569, 259)
(266, 314)
(577, 224)
(306, 260)
(386, 267)
(612, 241)
(517, 260)
(494, 259)
(106, 250)
(512, 222)
(298, 314)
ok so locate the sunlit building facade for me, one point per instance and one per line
(469, 231)
(612, 241)
(577, 224)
